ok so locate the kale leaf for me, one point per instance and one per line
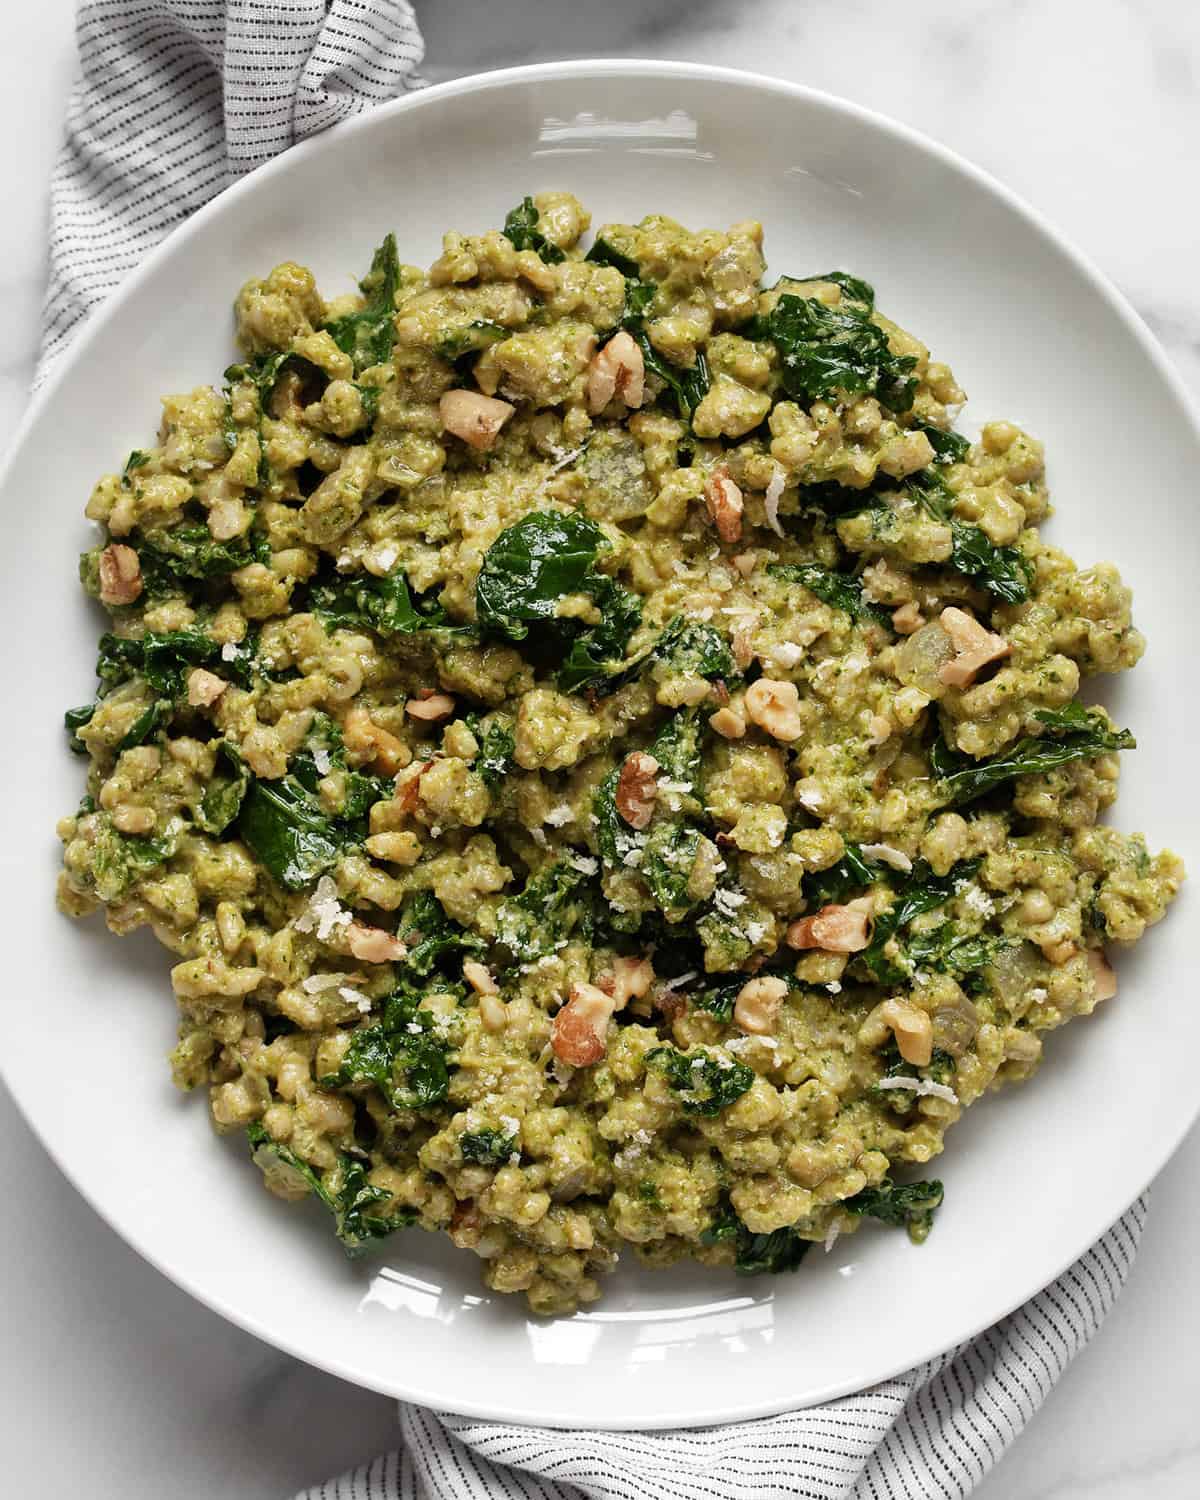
(853, 287)
(190, 552)
(74, 719)
(487, 1147)
(606, 254)
(825, 350)
(225, 792)
(497, 749)
(705, 1084)
(688, 386)
(1075, 733)
(531, 567)
(836, 884)
(919, 891)
(683, 646)
(286, 828)
(717, 1000)
(384, 605)
(841, 590)
(757, 1254)
(521, 228)
(539, 919)
(368, 335)
(948, 447)
(404, 1054)
(348, 1196)
(908, 1206)
(668, 858)
(431, 935)
(472, 339)
(1003, 571)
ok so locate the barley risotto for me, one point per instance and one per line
(605, 753)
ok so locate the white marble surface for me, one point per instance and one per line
(114, 1384)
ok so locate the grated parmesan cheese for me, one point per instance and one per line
(920, 1087)
(771, 500)
(887, 855)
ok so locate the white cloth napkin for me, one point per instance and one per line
(176, 99)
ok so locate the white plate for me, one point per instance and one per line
(1033, 333)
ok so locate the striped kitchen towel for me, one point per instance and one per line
(176, 99)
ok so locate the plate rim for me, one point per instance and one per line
(329, 140)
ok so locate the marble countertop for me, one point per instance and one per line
(114, 1383)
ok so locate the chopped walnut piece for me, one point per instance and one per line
(775, 707)
(616, 370)
(836, 929)
(430, 706)
(474, 417)
(479, 977)
(728, 723)
(204, 688)
(373, 945)
(908, 619)
(757, 1004)
(120, 574)
(725, 505)
(974, 647)
(637, 789)
(579, 1032)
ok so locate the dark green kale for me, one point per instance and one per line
(825, 351)
(136, 460)
(431, 935)
(225, 792)
(162, 659)
(1003, 571)
(594, 651)
(531, 567)
(1073, 733)
(473, 339)
(190, 552)
(497, 748)
(668, 858)
(917, 892)
(705, 1082)
(74, 719)
(688, 386)
(849, 876)
(368, 335)
(405, 1054)
(717, 999)
(487, 1147)
(946, 950)
(841, 590)
(605, 254)
(756, 1254)
(384, 605)
(682, 645)
(853, 287)
(345, 1192)
(948, 447)
(521, 228)
(263, 373)
(285, 826)
(908, 1206)
(542, 917)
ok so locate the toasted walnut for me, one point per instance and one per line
(912, 1029)
(973, 645)
(479, 977)
(629, 979)
(835, 929)
(429, 706)
(204, 688)
(373, 945)
(363, 736)
(616, 370)
(466, 1225)
(637, 789)
(741, 642)
(474, 417)
(493, 1014)
(725, 506)
(775, 707)
(120, 575)
(908, 619)
(579, 1033)
(757, 1004)
(1103, 976)
(728, 723)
